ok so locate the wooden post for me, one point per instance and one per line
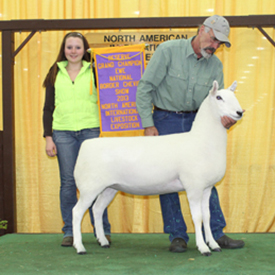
(8, 151)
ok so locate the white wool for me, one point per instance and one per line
(192, 161)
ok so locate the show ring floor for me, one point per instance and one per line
(133, 254)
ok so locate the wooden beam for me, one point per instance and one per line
(24, 43)
(8, 131)
(266, 35)
(2, 231)
(131, 23)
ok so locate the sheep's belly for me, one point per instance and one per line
(147, 189)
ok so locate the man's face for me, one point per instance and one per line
(208, 43)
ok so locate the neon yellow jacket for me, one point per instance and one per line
(75, 108)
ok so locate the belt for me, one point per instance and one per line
(176, 112)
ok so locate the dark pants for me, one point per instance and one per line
(174, 224)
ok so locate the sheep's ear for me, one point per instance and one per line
(233, 86)
(215, 87)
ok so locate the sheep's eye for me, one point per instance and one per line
(219, 97)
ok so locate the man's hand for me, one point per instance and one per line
(151, 131)
(227, 122)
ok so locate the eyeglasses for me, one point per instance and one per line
(214, 40)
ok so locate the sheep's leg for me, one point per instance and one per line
(101, 203)
(81, 206)
(195, 203)
(206, 221)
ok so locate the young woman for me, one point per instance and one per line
(70, 116)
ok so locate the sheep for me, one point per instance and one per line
(192, 161)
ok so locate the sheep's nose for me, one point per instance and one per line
(239, 113)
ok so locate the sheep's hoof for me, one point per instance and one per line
(82, 253)
(207, 254)
(106, 246)
(218, 249)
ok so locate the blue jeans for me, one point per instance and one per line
(68, 144)
(174, 224)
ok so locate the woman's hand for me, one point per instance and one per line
(50, 147)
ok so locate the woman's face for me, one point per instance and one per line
(74, 49)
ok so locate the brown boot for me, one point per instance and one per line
(178, 245)
(67, 241)
(226, 242)
(108, 237)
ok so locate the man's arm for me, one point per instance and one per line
(152, 77)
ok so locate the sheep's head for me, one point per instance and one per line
(226, 101)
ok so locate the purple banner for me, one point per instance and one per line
(118, 78)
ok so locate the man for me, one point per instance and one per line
(176, 81)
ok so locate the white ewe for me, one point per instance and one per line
(192, 161)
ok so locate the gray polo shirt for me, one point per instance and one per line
(176, 80)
